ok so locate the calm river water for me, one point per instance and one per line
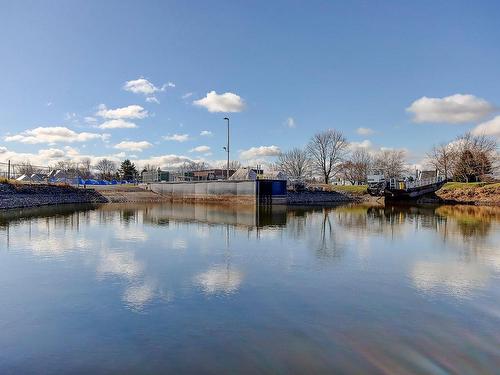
(201, 289)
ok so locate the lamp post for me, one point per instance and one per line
(227, 148)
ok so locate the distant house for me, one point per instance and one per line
(155, 175)
(210, 174)
(247, 173)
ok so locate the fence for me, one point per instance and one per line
(15, 171)
(28, 173)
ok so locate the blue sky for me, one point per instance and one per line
(290, 69)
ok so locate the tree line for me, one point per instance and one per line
(329, 155)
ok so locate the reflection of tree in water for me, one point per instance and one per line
(128, 216)
(363, 219)
(326, 244)
(470, 221)
(316, 226)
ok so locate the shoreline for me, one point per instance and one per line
(19, 196)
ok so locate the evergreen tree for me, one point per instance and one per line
(128, 171)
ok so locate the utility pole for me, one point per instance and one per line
(227, 148)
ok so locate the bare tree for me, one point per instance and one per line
(443, 158)
(106, 168)
(355, 169)
(476, 157)
(326, 151)
(150, 167)
(25, 168)
(234, 165)
(392, 162)
(294, 163)
(85, 168)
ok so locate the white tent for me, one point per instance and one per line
(244, 173)
(23, 178)
(36, 178)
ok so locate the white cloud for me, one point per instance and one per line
(366, 144)
(290, 122)
(45, 157)
(52, 153)
(131, 111)
(152, 99)
(133, 146)
(147, 88)
(165, 161)
(117, 124)
(141, 86)
(187, 95)
(90, 120)
(177, 137)
(220, 280)
(365, 131)
(257, 152)
(205, 133)
(227, 102)
(53, 134)
(200, 149)
(491, 128)
(452, 109)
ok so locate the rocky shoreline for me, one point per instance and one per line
(319, 197)
(26, 195)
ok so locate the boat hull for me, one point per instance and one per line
(412, 194)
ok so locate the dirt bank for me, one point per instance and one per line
(129, 194)
(471, 193)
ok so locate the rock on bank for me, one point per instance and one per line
(25, 195)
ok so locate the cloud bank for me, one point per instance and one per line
(454, 109)
(53, 134)
(258, 152)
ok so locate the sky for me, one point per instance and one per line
(153, 80)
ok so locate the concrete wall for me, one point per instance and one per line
(244, 192)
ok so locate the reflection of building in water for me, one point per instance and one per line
(245, 216)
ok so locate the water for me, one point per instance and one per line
(200, 289)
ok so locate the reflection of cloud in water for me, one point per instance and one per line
(136, 296)
(120, 264)
(220, 279)
(457, 279)
(42, 245)
(131, 233)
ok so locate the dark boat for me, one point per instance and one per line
(407, 191)
(428, 182)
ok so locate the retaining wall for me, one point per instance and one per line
(244, 192)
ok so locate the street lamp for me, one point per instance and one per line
(227, 148)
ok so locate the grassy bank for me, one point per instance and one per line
(473, 192)
(351, 189)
